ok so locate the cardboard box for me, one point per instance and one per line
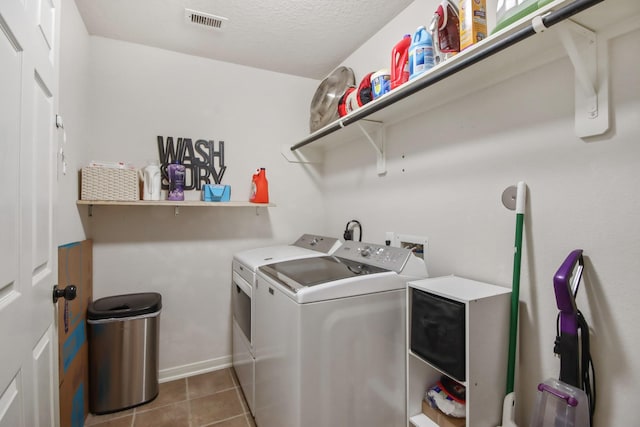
(75, 267)
(440, 418)
(473, 22)
(74, 391)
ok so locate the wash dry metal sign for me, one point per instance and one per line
(203, 163)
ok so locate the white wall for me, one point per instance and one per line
(447, 170)
(74, 81)
(138, 93)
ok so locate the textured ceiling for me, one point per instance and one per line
(306, 38)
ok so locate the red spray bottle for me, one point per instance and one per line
(259, 187)
(400, 62)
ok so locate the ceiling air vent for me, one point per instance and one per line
(205, 19)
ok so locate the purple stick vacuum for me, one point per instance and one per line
(567, 342)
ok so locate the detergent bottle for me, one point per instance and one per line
(400, 62)
(176, 173)
(420, 52)
(259, 187)
(445, 31)
(151, 182)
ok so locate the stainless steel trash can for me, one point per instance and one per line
(123, 351)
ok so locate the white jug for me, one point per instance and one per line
(151, 181)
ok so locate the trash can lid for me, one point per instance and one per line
(128, 305)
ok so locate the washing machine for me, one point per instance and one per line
(330, 338)
(244, 267)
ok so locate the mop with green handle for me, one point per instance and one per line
(508, 406)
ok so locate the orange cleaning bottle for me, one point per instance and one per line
(259, 187)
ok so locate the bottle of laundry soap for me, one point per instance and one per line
(259, 187)
(151, 181)
(400, 62)
(420, 52)
(445, 31)
(176, 173)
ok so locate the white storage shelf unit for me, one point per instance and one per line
(486, 333)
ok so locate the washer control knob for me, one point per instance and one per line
(366, 251)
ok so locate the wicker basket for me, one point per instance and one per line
(99, 183)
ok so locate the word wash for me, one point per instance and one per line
(199, 159)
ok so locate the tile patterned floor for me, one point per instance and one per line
(211, 399)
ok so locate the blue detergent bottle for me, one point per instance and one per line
(420, 52)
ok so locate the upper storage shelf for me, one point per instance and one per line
(542, 37)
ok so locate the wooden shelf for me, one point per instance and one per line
(191, 203)
(173, 204)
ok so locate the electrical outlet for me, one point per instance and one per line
(417, 244)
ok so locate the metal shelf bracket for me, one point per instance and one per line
(303, 155)
(372, 130)
(377, 141)
(590, 64)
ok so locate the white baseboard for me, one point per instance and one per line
(184, 371)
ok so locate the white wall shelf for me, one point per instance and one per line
(174, 204)
(486, 329)
(538, 39)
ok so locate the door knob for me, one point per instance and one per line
(67, 293)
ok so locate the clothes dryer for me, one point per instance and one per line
(244, 267)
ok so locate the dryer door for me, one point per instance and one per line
(241, 300)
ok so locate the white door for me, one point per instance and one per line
(28, 254)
